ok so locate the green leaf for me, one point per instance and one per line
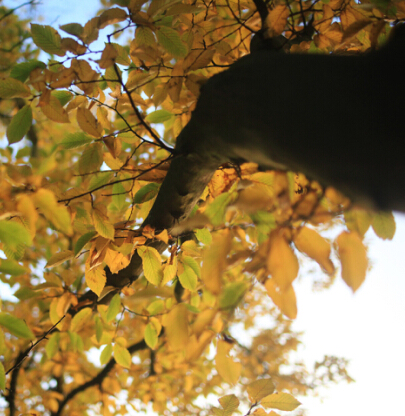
(11, 267)
(22, 71)
(151, 336)
(99, 328)
(13, 88)
(171, 42)
(146, 193)
(152, 264)
(73, 140)
(259, 389)
(119, 196)
(15, 326)
(280, 401)
(204, 236)
(114, 307)
(100, 179)
(156, 307)
(106, 354)
(47, 38)
(19, 125)
(63, 96)
(384, 225)
(2, 377)
(122, 356)
(59, 258)
(188, 279)
(13, 234)
(232, 295)
(159, 116)
(52, 345)
(192, 263)
(82, 241)
(25, 293)
(216, 211)
(102, 226)
(74, 29)
(80, 319)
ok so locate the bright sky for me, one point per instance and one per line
(367, 328)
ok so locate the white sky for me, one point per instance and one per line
(367, 328)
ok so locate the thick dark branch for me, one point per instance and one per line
(98, 379)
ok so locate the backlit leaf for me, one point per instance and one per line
(82, 241)
(204, 236)
(106, 354)
(353, 258)
(15, 326)
(146, 193)
(114, 307)
(384, 225)
(13, 234)
(152, 264)
(151, 336)
(88, 123)
(11, 267)
(91, 158)
(80, 319)
(171, 42)
(56, 213)
(227, 368)
(122, 356)
(159, 116)
(282, 263)
(47, 38)
(176, 327)
(19, 125)
(2, 377)
(308, 241)
(229, 403)
(54, 111)
(95, 280)
(22, 70)
(285, 299)
(280, 401)
(59, 258)
(74, 29)
(13, 88)
(259, 389)
(52, 345)
(111, 16)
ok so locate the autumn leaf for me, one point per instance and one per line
(152, 264)
(176, 327)
(12, 88)
(15, 326)
(95, 280)
(227, 368)
(47, 38)
(88, 123)
(281, 401)
(80, 319)
(383, 224)
(171, 42)
(59, 258)
(353, 258)
(259, 389)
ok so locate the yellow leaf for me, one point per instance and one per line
(95, 280)
(88, 123)
(259, 389)
(56, 213)
(80, 319)
(215, 263)
(229, 403)
(152, 264)
(102, 226)
(54, 111)
(108, 56)
(280, 401)
(353, 258)
(285, 300)
(26, 206)
(282, 263)
(59, 258)
(228, 369)
(176, 324)
(308, 241)
(203, 321)
(111, 16)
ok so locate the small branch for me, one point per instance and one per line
(98, 379)
(10, 397)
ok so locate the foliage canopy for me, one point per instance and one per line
(90, 139)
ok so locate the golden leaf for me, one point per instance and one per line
(54, 111)
(285, 300)
(353, 258)
(282, 263)
(259, 389)
(228, 369)
(277, 19)
(88, 123)
(95, 280)
(308, 241)
(176, 327)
